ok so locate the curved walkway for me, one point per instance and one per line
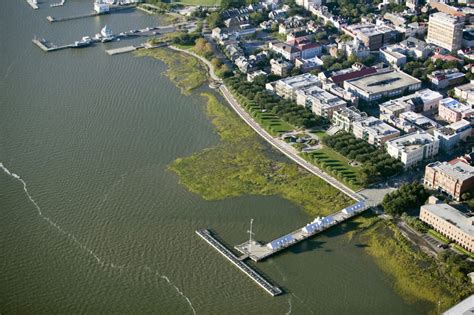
(282, 146)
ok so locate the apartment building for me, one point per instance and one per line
(453, 179)
(321, 102)
(413, 148)
(374, 131)
(445, 31)
(450, 135)
(287, 87)
(452, 110)
(345, 118)
(465, 92)
(441, 79)
(451, 223)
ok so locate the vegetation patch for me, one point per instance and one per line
(239, 166)
(337, 165)
(407, 198)
(438, 236)
(415, 275)
(187, 72)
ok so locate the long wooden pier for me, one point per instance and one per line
(251, 273)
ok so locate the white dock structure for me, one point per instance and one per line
(258, 251)
(33, 4)
(255, 276)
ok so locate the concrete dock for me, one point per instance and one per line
(122, 50)
(47, 46)
(258, 251)
(251, 273)
(32, 4)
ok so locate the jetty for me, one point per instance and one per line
(87, 15)
(33, 4)
(258, 251)
(47, 46)
(127, 49)
(250, 272)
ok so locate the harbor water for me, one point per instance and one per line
(91, 220)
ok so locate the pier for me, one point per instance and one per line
(47, 46)
(251, 273)
(257, 251)
(87, 15)
(33, 4)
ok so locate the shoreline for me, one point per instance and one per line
(274, 142)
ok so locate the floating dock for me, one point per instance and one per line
(47, 46)
(251, 273)
(32, 4)
(258, 251)
(121, 50)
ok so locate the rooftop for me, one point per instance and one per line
(376, 127)
(352, 113)
(411, 141)
(455, 105)
(419, 120)
(453, 216)
(383, 81)
(458, 170)
(300, 81)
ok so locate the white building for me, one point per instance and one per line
(393, 56)
(465, 92)
(320, 102)
(413, 148)
(374, 131)
(287, 87)
(346, 117)
(445, 30)
(450, 135)
(101, 7)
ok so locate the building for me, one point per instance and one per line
(445, 31)
(451, 223)
(441, 79)
(419, 121)
(339, 77)
(452, 110)
(287, 87)
(252, 75)
(452, 179)
(415, 48)
(374, 131)
(101, 7)
(465, 92)
(280, 67)
(373, 36)
(412, 4)
(452, 134)
(346, 117)
(384, 83)
(393, 56)
(413, 148)
(321, 102)
(289, 52)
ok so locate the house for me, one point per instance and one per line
(441, 79)
(289, 52)
(394, 56)
(280, 67)
(465, 92)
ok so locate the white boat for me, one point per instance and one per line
(107, 34)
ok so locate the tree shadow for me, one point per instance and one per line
(306, 246)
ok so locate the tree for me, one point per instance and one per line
(214, 20)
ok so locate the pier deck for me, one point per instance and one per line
(259, 279)
(258, 251)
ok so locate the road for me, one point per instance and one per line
(280, 145)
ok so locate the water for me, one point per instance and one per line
(92, 221)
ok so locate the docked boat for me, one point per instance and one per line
(106, 34)
(85, 41)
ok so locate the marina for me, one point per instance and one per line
(251, 273)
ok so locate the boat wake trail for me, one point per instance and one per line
(86, 249)
(290, 306)
(161, 276)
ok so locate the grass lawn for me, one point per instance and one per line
(337, 165)
(319, 133)
(438, 236)
(462, 250)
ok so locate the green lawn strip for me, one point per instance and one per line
(438, 236)
(336, 164)
(464, 251)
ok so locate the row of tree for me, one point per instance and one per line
(287, 110)
(375, 162)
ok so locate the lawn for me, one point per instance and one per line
(337, 165)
